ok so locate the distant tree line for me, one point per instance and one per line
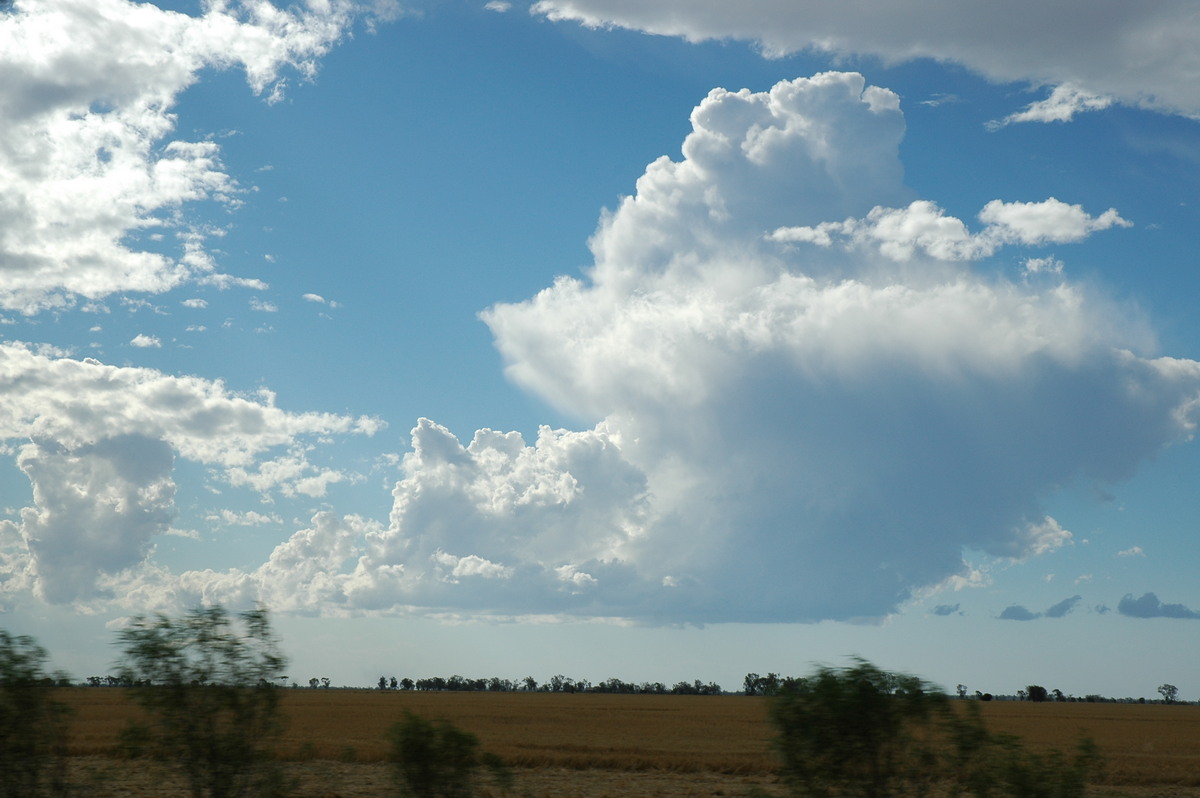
(555, 684)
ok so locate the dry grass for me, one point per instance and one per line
(593, 746)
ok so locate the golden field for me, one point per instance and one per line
(595, 746)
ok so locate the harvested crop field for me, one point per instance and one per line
(605, 746)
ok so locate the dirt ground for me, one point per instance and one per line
(102, 777)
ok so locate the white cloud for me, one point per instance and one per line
(833, 425)
(1061, 106)
(1133, 551)
(145, 342)
(263, 306)
(923, 228)
(197, 304)
(499, 6)
(86, 147)
(1137, 53)
(103, 441)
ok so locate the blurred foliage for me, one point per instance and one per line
(436, 759)
(861, 731)
(206, 679)
(33, 726)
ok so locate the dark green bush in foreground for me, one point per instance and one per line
(435, 759)
(206, 680)
(33, 726)
(863, 732)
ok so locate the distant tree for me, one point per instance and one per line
(33, 726)
(1058, 695)
(205, 679)
(382, 682)
(1036, 692)
(962, 690)
(1169, 693)
(407, 683)
(393, 684)
(530, 683)
(325, 682)
(314, 682)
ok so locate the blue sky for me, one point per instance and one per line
(660, 343)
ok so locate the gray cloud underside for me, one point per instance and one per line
(1140, 53)
(1149, 606)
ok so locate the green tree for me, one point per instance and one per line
(33, 726)
(1169, 692)
(851, 731)
(1036, 693)
(436, 759)
(206, 679)
(863, 732)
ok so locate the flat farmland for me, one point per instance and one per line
(597, 746)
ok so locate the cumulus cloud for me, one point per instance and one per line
(1016, 612)
(1061, 106)
(142, 341)
(86, 149)
(1138, 54)
(923, 228)
(101, 446)
(1132, 551)
(1149, 606)
(835, 424)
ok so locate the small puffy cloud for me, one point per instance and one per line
(1135, 53)
(923, 228)
(1015, 612)
(1132, 551)
(314, 298)
(146, 342)
(263, 306)
(228, 517)
(1063, 607)
(499, 6)
(1149, 606)
(88, 146)
(1063, 103)
(946, 609)
(197, 304)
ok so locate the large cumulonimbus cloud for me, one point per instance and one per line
(88, 170)
(828, 398)
(1139, 53)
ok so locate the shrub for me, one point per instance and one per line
(435, 759)
(861, 731)
(206, 681)
(33, 726)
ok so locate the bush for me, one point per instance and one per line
(435, 759)
(33, 726)
(206, 681)
(861, 731)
